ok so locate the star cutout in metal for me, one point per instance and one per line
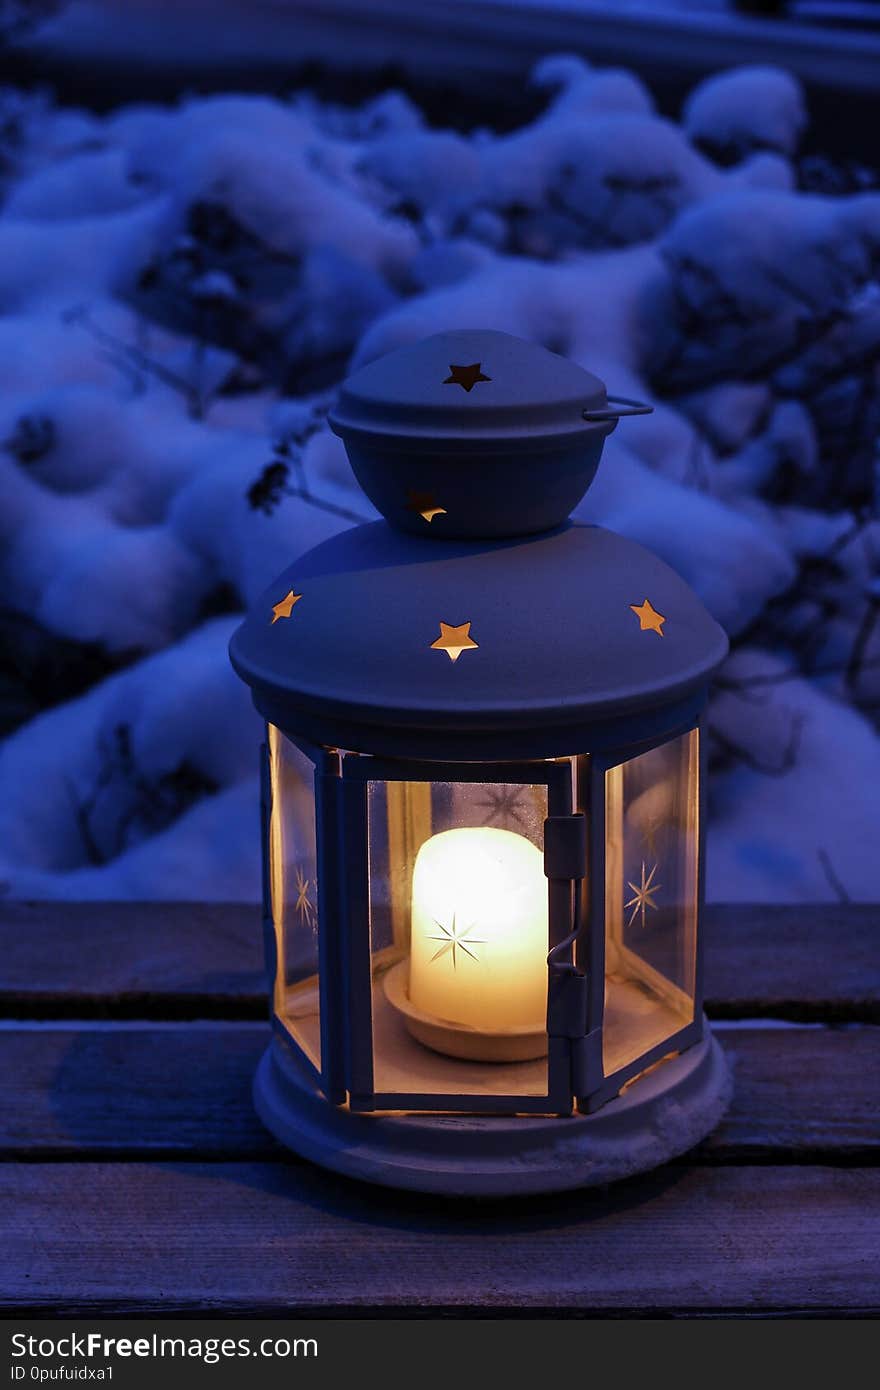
(454, 640)
(285, 607)
(644, 895)
(466, 377)
(649, 619)
(304, 907)
(454, 939)
(424, 504)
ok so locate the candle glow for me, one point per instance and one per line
(480, 931)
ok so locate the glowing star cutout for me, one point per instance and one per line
(455, 938)
(466, 377)
(454, 640)
(285, 607)
(649, 619)
(304, 907)
(425, 504)
(644, 895)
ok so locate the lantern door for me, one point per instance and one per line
(647, 817)
(449, 918)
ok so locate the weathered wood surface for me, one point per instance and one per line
(179, 960)
(807, 1093)
(466, 44)
(134, 1176)
(819, 961)
(254, 1237)
(136, 960)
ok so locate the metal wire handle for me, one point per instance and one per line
(630, 408)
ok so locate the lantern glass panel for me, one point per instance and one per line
(459, 937)
(293, 892)
(651, 895)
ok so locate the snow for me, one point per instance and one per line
(77, 791)
(750, 108)
(734, 564)
(802, 816)
(183, 287)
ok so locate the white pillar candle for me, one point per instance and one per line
(479, 931)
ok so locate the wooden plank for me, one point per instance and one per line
(492, 36)
(137, 959)
(811, 962)
(818, 961)
(480, 39)
(802, 1094)
(127, 1090)
(267, 1238)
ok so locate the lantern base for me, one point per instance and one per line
(659, 1116)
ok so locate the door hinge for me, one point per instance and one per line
(586, 1062)
(566, 1004)
(565, 846)
(565, 865)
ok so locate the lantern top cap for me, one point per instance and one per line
(473, 384)
(491, 434)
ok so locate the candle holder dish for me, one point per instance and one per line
(460, 1039)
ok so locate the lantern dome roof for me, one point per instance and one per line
(384, 642)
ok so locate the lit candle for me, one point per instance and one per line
(479, 931)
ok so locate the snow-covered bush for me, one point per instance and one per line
(182, 288)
